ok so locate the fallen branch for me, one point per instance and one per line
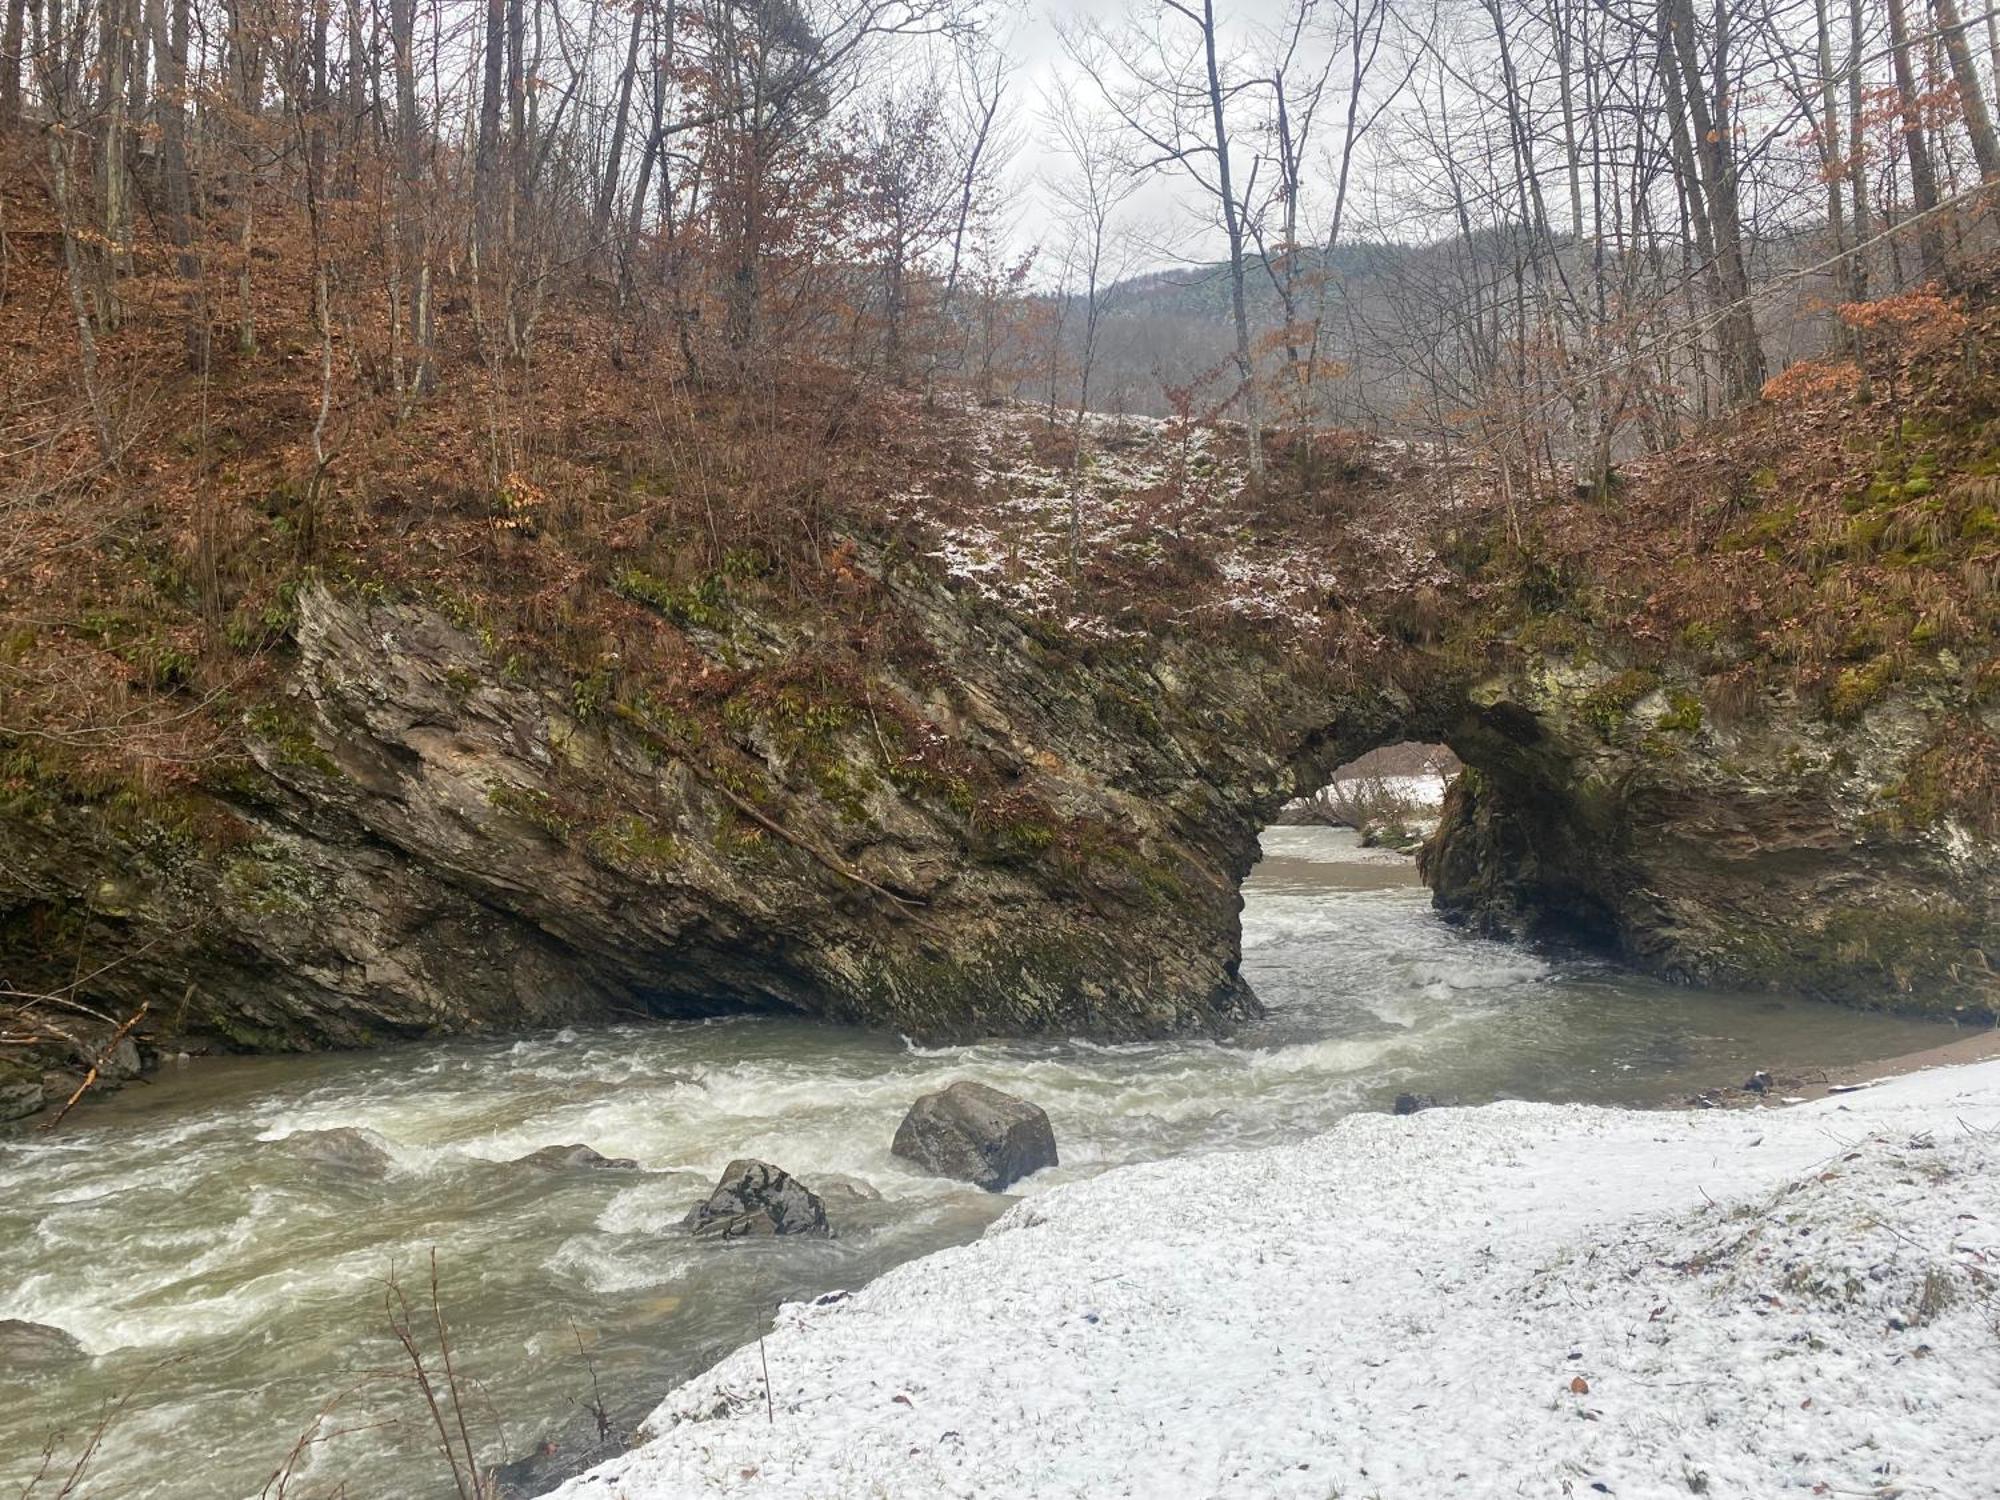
(97, 1062)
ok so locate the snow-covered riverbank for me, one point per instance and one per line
(1517, 1299)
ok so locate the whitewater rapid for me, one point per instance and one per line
(226, 1284)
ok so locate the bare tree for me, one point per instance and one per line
(1090, 194)
(1166, 75)
(1971, 96)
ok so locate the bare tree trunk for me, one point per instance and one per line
(520, 183)
(1857, 159)
(320, 99)
(1707, 265)
(1993, 44)
(413, 236)
(987, 107)
(1572, 157)
(1232, 223)
(1971, 97)
(116, 255)
(356, 106)
(145, 21)
(58, 91)
(486, 149)
(1832, 166)
(517, 101)
(171, 49)
(1715, 154)
(246, 43)
(1923, 175)
(614, 158)
(635, 211)
(10, 63)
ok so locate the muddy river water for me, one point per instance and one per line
(227, 1273)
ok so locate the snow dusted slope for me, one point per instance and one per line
(1513, 1300)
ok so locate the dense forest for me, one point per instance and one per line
(1552, 233)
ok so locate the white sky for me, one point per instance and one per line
(1172, 218)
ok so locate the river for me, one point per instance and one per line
(230, 1284)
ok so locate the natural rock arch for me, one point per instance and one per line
(1023, 833)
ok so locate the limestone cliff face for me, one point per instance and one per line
(1776, 848)
(1035, 836)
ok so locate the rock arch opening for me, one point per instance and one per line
(1390, 797)
(1617, 811)
(1510, 821)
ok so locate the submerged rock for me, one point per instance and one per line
(562, 1456)
(755, 1198)
(978, 1135)
(556, 1158)
(346, 1150)
(853, 1189)
(1411, 1104)
(35, 1346)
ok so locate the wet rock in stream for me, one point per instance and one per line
(568, 1449)
(848, 1189)
(347, 1151)
(557, 1158)
(978, 1135)
(755, 1198)
(35, 1346)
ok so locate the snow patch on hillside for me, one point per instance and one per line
(1511, 1300)
(1142, 491)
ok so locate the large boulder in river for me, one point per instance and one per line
(978, 1135)
(35, 1346)
(755, 1198)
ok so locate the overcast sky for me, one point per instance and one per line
(1171, 218)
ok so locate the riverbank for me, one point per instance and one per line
(1511, 1299)
(1781, 1085)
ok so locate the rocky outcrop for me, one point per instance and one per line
(21, 1091)
(994, 831)
(1774, 846)
(755, 1199)
(66, 1054)
(994, 828)
(978, 1135)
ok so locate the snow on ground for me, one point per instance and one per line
(1141, 488)
(1416, 803)
(1510, 1300)
(1419, 791)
